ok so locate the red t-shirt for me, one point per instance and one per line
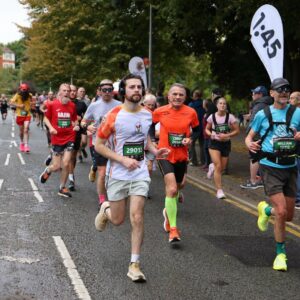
(61, 117)
(174, 126)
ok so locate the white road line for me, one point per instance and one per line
(13, 134)
(1, 182)
(21, 159)
(12, 128)
(38, 196)
(7, 159)
(34, 187)
(79, 286)
(22, 260)
(10, 146)
(15, 143)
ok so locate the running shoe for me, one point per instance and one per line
(220, 194)
(48, 160)
(71, 185)
(102, 219)
(92, 175)
(80, 158)
(263, 219)
(174, 235)
(22, 147)
(181, 197)
(251, 186)
(64, 192)
(135, 273)
(26, 149)
(166, 221)
(85, 155)
(297, 206)
(210, 172)
(44, 176)
(280, 262)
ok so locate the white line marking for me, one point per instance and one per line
(14, 143)
(10, 146)
(12, 134)
(34, 187)
(21, 260)
(38, 196)
(14, 215)
(7, 160)
(1, 182)
(21, 159)
(13, 128)
(79, 287)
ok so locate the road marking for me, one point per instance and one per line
(12, 134)
(21, 260)
(14, 215)
(35, 189)
(21, 159)
(7, 160)
(14, 143)
(78, 284)
(12, 128)
(250, 208)
(1, 182)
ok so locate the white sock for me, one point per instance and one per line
(71, 177)
(135, 258)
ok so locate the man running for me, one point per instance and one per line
(126, 128)
(21, 101)
(93, 117)
(3, 106)
(61, 119)
(277, 125)
(176, 121)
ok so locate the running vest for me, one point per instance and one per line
(221, 128)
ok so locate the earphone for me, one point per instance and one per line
(122, 84)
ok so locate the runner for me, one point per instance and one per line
(92, 119)
(61, 119)
(80, 109)
(277, 125)
(3, 106)
(221, 126)
(176, 121)
(126, 128)
(21, 101)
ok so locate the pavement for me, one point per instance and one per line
(238, 173)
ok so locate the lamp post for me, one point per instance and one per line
(150, 48)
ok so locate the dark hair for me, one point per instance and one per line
(211, 109)
(122, 84)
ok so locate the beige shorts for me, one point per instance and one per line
(120, 189)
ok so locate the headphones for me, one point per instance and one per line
(122, 85)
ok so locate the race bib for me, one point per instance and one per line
(175, 139)
(24, 113)
(222, 128)
(134, 150)
(64, 123)
(284, 145)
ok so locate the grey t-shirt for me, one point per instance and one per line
(97, 110)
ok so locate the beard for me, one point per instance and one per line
(135, 98)
(65, 100)
(24, 95)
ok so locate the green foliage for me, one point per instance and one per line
(9, 80)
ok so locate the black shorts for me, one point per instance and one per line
(178, 168)
(279, 180)
(223, 147)
(60, 149)
(100, 160)
(77, 141)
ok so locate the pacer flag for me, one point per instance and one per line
(267, 38)
(136, 66)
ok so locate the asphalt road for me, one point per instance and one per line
(222, 254)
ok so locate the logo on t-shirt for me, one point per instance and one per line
(64, 119)
(138, 127)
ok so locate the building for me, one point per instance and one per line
(7, 59)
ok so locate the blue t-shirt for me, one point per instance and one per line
(261, 124)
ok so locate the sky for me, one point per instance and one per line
(11, 11)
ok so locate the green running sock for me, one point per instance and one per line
(268, 210)
(171, 208)
(280, 248)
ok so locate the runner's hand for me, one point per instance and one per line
(254, 146)
(130, 163)
(186, 141)
(52, 130)
(76, 128)
(91, 128)
(162, 153)
(296, 135)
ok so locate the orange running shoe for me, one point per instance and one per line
(166, 221)
(174, 235)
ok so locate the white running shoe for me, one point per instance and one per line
(220, 194)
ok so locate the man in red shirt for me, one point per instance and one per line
(61, 119)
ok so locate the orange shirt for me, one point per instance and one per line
(174, 126)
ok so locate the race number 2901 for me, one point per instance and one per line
(267, 35)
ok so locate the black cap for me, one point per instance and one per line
(279, 82)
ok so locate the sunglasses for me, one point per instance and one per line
(107, 90)
(283, 89)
